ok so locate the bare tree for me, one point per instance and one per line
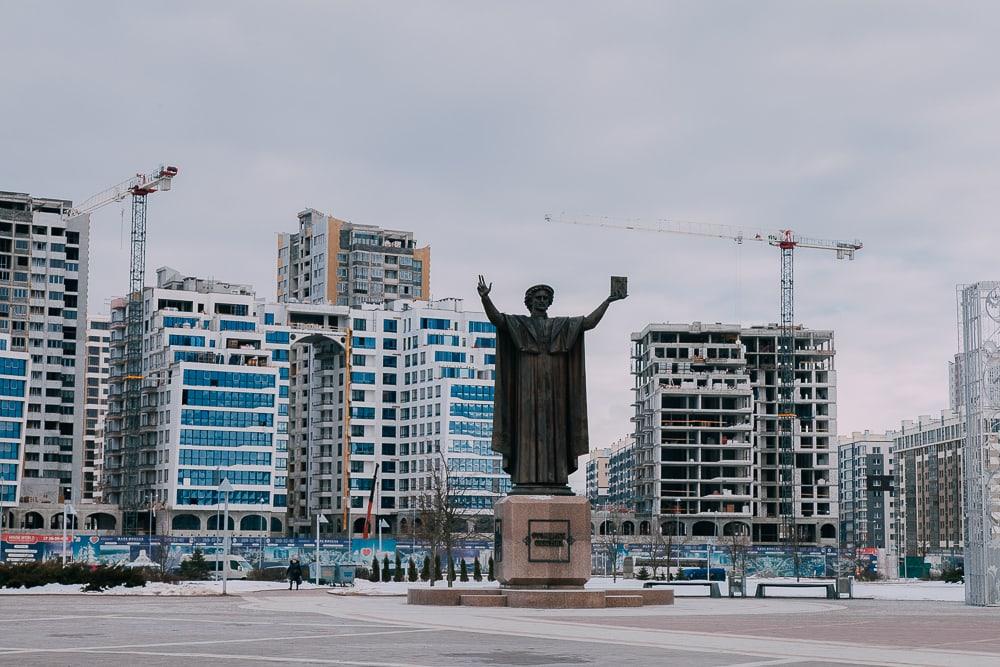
(444, 521)
(738, 548)
(609, 539)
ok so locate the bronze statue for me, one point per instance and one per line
(540, 396)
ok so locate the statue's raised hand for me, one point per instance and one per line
(483, 288)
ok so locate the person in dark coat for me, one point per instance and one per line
(294, 573)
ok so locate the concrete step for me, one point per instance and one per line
(623, 600)
(483, 600)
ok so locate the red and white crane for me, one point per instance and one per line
(138, 187)
(787, 241)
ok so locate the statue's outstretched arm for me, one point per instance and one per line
(491, 311)
(592, 320)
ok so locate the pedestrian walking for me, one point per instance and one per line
(294, 573)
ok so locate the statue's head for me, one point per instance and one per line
(538, 299)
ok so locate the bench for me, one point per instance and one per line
(713, 586)
(831, 588)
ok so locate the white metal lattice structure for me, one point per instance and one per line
(979, 324)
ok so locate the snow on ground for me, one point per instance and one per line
(903, 589)
(156, 588)
(911, 589)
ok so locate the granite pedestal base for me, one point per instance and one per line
(542, 542)
(546, 598)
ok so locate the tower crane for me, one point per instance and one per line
(139, 187)
(787, 241)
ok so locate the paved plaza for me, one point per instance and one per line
(313, 627)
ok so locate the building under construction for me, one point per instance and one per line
(708, 445)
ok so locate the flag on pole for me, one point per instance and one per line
(371, 501)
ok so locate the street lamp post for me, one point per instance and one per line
(320, 519)
(267, 531)
(68, 511)
(224, 489)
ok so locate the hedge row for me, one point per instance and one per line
(95, 577)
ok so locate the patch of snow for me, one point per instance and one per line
(182, 588)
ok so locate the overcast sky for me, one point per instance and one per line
(467, 122)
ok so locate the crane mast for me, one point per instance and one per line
(139, 187)
(786, 241)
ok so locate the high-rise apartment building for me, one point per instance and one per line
(927, 458)
(14, 373)
(43, 307)
(866, 499)
(96, 376)
(706, 398)
(210, 409)
(622, 475)
(597, 476)
(417, 401)
(339, 262)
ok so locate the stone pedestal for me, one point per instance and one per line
(542, 542)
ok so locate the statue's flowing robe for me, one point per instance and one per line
(540, 408)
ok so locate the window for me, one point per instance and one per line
(434, 323)
(226, 419)
(360, 324)
(362, 378)
(467, 392)
(223, 459)
(481, 327)
(13, 367)
(452, 357)
(189, 341)
(365, 343)
(235, 325)
(390, 326)
(279, 355)
(277, 337)
(227, 399)
(199, 378)
(199, 438)
(389, 344)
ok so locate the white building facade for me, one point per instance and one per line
(43, 308)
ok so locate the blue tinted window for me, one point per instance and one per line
(10, 430)
(174, 321)
(11, 387)
(475, 429)
(362, 448)
(468, 392)
(226, 419)
(389, 344)
(11, 408)
(198, 378)
(490, 359)
(196, 477)
(453, 357)
(224, 458)
(486, 342)
(434, 323)
(279, 355)
(472, 410)
(195, 437)
(213, 497)
(10, 451)
(279, 337)
(362, 413)
(481, 327)
(236, 325)
(227, 399)
(362, 378)
(363, 342)
(268, 318)
(189, 341)
(390, 326)
(13, 366)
